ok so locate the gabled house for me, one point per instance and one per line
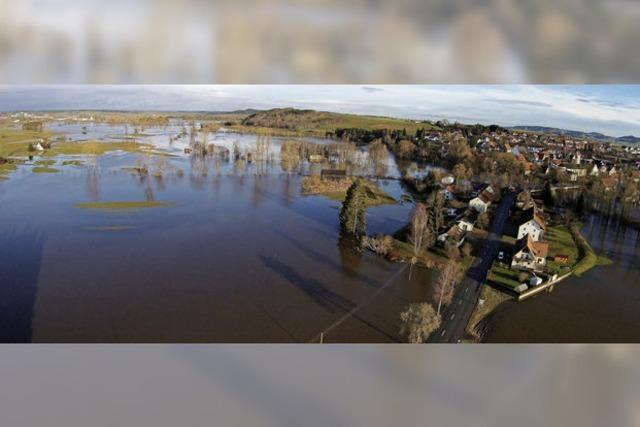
(480, 203)
(531, 223)
(529, 255)
(455, 234)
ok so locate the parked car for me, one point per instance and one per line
(501, 256)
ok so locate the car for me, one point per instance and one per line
(501, 256)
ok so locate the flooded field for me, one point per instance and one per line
(600, 306)
(200, 249)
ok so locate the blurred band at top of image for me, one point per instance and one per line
(319, 41)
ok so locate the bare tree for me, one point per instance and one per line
(447, 280)
(418, 322)
(418, 232)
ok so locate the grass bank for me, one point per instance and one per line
(588, 258)
(491, 299)
(337, 190)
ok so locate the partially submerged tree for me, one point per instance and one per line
(418, 322)
(352, 214)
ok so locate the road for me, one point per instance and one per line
(456, 316)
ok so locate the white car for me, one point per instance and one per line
(501, 256)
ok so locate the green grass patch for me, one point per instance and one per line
(434, 257)
(45, 162)
(588, 258)
(504, 276)
(6, 169)
(123, 205)
(72, 163)
(561, 241)
(44, 169)
(337, 190)
(15, 142)
(96, 148)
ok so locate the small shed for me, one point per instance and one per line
(561, 258)
(333, 174)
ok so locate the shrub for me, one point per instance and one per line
(381, 245)
(418, 322)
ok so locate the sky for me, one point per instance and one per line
(610, 109)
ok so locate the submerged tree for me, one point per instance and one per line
(352, 214)
(418, 322)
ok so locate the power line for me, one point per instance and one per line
(358, 307)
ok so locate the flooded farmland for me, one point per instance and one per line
(210, 250)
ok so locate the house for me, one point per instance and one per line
(480, 203)
(455, 233)
(529, 255)
(333, 174)
(448, 193)
(531, 223)
(465, 224)
(452, 212)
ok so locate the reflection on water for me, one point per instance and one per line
(20, 263)
(237, 255)
(600, 306)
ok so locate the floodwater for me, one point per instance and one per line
(238, 255)
(600, 306)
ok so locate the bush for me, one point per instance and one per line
(418, 322)
(381, 245)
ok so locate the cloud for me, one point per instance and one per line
(371, 89)
(520, 102)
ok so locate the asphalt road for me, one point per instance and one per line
(456, 316)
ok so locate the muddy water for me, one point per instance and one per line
(238, 256)
(600, 306)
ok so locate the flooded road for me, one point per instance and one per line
(600, 306)
(226, 254)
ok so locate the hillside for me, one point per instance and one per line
(318, 123)
(596, 136)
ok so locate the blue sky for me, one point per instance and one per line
(610, 109)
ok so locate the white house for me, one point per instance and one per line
(481, 203)
(532, 224)
(529, 255)
(465, 224)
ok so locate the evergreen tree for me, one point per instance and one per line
(436, 217)
(352, 214)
